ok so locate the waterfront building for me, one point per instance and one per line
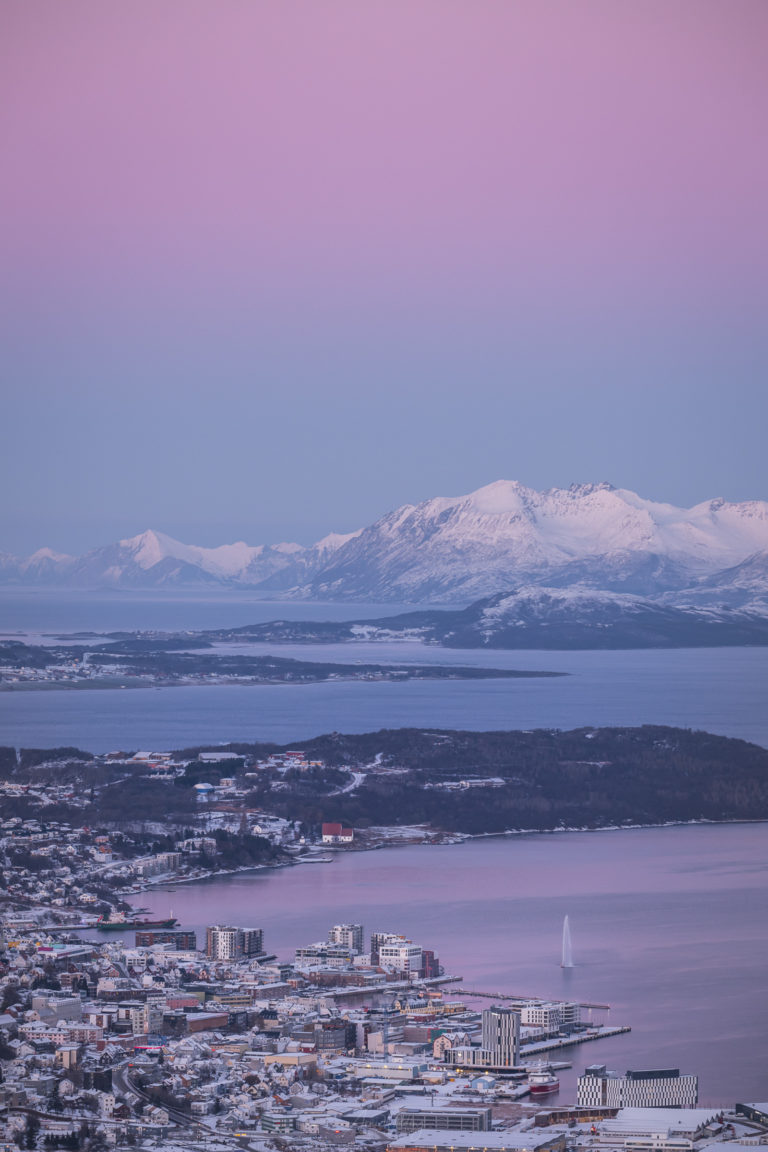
(550, 1016)
(500, 1045)
(379, 938)
(400, 956)
(648, 1088)
(349, 935)
(324, 955)
(430, 964)
(182, 940)
(223, 942)
(501, 1035)
(757, 1113)
(334, 833)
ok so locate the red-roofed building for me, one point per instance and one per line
(336, 834)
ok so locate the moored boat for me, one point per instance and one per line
(121, 923)
(542, 1080)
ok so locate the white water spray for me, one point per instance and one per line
(566, 960)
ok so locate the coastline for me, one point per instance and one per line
(107, 684)
(450, 839)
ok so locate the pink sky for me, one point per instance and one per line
(384, 147)
(442, 242)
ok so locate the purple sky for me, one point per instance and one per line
(270, 269)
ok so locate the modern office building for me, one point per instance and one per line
(648, 1088)
(444, 1119)
(500, 1045)
(501, 1035)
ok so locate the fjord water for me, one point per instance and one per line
(668, 925)
(722, 690)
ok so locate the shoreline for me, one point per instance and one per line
(107, 684)
(456, 839)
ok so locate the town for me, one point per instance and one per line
(117, 1030)
(156, 1042)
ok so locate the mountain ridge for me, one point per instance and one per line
(458, 549)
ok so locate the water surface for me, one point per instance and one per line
(722, 690)
(669, 926)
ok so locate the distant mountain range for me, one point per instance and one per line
(586, 539)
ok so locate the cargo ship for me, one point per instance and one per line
(121, 923)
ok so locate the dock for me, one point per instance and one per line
(520, 999)
(568, 1041)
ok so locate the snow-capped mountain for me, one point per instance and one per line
(153, 560)
(507, 534)
(589, 536)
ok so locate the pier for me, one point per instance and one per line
(519, 999)
(568, 1041)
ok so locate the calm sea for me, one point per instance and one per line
(669, 927)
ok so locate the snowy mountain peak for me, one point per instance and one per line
(150, 547)
(502, 498)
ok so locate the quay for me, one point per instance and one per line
(525, 999)
(568, 1041)
(392, 986)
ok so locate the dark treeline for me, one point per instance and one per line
(585, 778)
(545, 779)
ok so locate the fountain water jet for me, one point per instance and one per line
(566, 960)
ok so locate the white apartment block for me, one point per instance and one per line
(400, 957)
(223, 942)
(550, 1016)
(348, 935)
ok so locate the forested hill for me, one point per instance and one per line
(493, 781)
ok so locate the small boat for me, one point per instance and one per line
(541, 1080)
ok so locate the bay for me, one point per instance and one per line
(669, 927)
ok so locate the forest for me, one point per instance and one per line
(544, 779)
